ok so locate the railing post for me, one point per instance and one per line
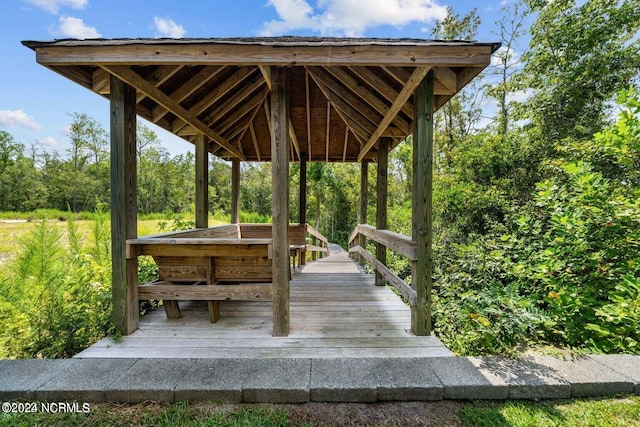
(422, 205)
(235, 191)
(381, 202)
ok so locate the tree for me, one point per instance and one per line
(456, 118)
(510, 30)
(580, 55)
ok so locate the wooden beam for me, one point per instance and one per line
(346, 142)
(202, 182)
(254, 139)
(124, 277)
(280, 199)
(403, 96)
(382, 191)
(447, 54)
(235, 191)
(129, 76)
(266, 74)
(239, 292)
(422, 223)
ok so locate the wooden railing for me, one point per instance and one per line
(319, 245)
(394, 241)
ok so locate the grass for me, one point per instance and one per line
(617, 411)
(12, 232)
(624, 411)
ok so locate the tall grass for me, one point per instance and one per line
(55, 297)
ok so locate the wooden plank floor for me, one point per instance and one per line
(336, 312)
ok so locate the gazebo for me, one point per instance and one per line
(280, 100)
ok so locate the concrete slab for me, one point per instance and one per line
(211, 379)
(344, 380)
(20, 378)
(587, 376)
(525, 377)
(276, 380)
(462, 380)
(407, 379)
(624, 364)
(148, 380)
(83, 380)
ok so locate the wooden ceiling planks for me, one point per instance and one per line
(345, 94)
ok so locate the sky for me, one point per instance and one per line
(36, 104)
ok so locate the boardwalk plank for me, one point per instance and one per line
(336, 311)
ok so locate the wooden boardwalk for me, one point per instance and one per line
(336, 312)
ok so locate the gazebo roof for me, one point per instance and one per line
(345, 93)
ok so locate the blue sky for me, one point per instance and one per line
(36, 103)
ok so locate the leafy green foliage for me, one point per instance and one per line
(55, 298)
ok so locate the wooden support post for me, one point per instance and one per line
(303, 201)
(364, 183)
(202, 220)
(303, 189)
(124, 277)
(235, 191)
(202, 182)
(422, 202)
(280, 198)
(381, 202)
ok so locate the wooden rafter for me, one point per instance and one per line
(254, 139)
(416, 77)
(346, 141)
(354, 120)
(245, 108)
(158, 77)
(364, 93)
(238, 98)
(380, 86)
(129, 76)
(248, 125)
(328, 131)
(188, 88)
(215, 95)
(349, 96)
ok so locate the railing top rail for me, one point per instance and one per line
(317, 234)
(394, 241)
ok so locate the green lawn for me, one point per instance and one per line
(619, 411)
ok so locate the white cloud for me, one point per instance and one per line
(48, 141)
(503, 55)
(349, 18)
(168, 28)
(76, 28)
(53, 6)
(18, 118)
